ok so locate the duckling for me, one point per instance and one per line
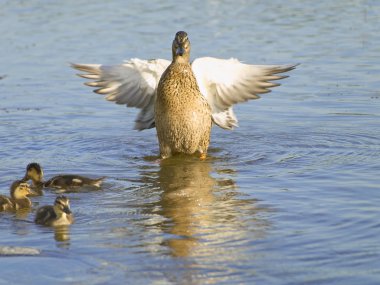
(57, 215)
(19, 191)
(182, 99)
(35, 173)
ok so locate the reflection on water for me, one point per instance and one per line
(23, 213)
(186, 201)
(62, 234)
(309, 150)
(203, 214)
(20, 225)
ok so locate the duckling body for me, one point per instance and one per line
(35, 173)
(19, 191)
(70, 181)
(57, 215)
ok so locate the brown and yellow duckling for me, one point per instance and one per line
(57, 215)
(19, 191)
(35, 173)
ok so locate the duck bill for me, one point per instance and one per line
(67, 210)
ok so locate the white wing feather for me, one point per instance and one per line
(133, 83)
(225, 82)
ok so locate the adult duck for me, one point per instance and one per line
(182, 99)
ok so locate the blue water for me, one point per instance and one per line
(290, 197)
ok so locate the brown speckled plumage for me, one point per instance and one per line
(57, 215)
(35, 173)
(180, 99)
(19, 191)
(182, 114)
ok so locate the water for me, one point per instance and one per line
(290, 197)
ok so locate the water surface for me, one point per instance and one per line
(290, 197)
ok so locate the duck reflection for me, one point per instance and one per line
(62, 234)
(187, 193)
(19, 223)
(201, 210)
(22, 214)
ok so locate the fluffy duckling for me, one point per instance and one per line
(57, 215)
(35, 173)
(19, 191)
(183, 98)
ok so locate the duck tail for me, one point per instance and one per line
(98, 182)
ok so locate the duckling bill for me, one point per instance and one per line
(57, 215)
(19, 191)
(182, 99)
(35, 173)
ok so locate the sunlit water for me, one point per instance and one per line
(290, 197)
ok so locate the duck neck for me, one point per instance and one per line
(37, 183)
(58, 212)
(17, 195)
(37, 187)
(182, 59)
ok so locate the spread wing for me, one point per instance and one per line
(225, 82)
(133, 83)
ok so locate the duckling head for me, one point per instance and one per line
(34, 172)
(62, 206)
(20, 189)
(181, 48)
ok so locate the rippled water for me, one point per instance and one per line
(290, 197)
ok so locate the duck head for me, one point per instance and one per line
(35, 173)
(20, 189)
(181, 48)
(62, 205)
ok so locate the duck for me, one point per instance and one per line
(19, 191)
(57, 215)
(35, 173)
(182, 99)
